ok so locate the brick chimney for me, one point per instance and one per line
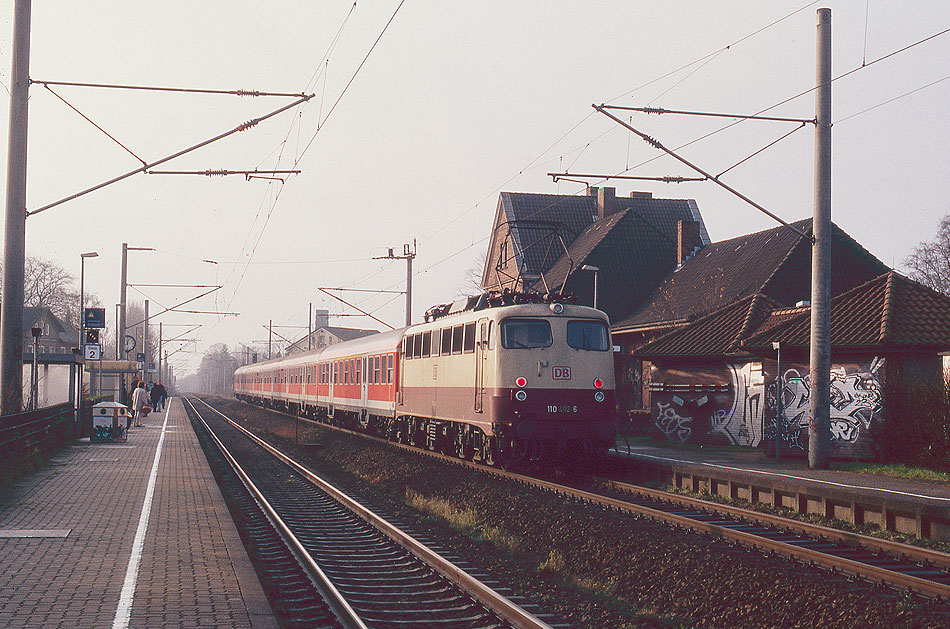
(606, 202)
(687, 240)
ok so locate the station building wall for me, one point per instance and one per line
(735, 403)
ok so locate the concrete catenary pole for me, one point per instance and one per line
(145, 345)
(14, 238)
(819, 428)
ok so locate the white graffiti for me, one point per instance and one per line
(672, 424)
(856, 401)
(742, 424)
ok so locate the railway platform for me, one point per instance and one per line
(126, 534)
(915, 507)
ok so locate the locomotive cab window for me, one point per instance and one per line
(417, 346)
(426, 344)
(588, 334)
(407, 346)
(525, 333)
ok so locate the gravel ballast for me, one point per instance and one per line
(597, 568)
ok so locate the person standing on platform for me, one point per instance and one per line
(139, 401)
(158, 396)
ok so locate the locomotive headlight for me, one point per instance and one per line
(598, 384)
(557, 308)
(521, 396)
(599, 396)
(522, 382)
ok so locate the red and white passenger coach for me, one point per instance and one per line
(500, 383)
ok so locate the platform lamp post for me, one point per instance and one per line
(82, 323)
(779, 404)
(34, 390)
(595, 270)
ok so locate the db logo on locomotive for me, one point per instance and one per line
(561, 373)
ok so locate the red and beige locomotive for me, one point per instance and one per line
(485, 379)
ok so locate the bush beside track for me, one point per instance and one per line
(597, 568)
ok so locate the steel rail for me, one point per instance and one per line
(344, 612)
(866, 571)
(495, 602)
(856, 568)
(890, 547)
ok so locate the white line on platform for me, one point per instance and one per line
(792, 476)
(124, 610)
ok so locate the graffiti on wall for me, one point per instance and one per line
(742, 422)
(716, 410)
(675, 426)
(856, 401)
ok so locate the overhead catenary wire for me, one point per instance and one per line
(310, 143)
(590, 114)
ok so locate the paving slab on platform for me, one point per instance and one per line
(134, 534)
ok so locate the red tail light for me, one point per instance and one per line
(521, 382)
(598, 383)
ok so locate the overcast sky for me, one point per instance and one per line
(457, 102)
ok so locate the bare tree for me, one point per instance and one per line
(472, 281)
(930, 262)
(46, 284)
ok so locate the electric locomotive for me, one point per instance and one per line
(490, 379)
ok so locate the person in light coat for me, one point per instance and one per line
(139, 400)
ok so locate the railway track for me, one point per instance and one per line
(334, 548)
(902, 566)
(897, 565)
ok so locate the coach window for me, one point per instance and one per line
(359, 371)
(389, 370)
(458, 333)
(426, 344)
(469, 338)
(525, 333)
(446, 341)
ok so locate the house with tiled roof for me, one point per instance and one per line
(542, 242)
(774, 264)
(325, 334)
(716, 379)
(55, 356)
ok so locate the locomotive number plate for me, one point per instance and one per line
(561, 373)
(563, 408)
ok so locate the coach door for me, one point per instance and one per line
(481, 355)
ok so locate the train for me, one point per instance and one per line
(501, 380)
